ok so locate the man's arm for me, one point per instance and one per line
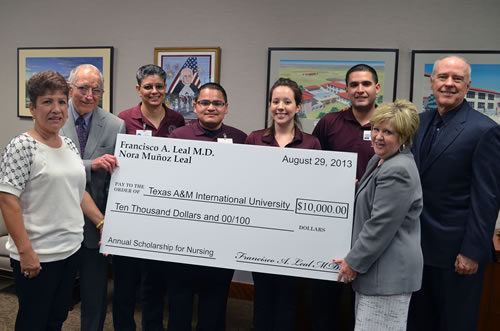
(107, 162)
(484, 204)
(320, 133)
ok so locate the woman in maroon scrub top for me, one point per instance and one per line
(275, 295)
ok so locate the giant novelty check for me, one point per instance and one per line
(267, 209)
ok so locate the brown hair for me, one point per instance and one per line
(297, 95)
(42, 82)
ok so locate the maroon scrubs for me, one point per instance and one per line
(275, 296)
(341, 132)
(211, 284)
(196, 132)
(300, 140)
(127, 271)
(134, 120)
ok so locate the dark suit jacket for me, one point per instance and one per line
(104, 128)
(461, 187)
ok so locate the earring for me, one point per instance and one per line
(402, 147)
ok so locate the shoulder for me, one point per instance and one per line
(16, 163)
(258, 133)
(237, 135)
(426, 116)
(21, 143)
(330, 118)
(488, 143)
(108, 118)
(70, 144)
(476, 119)
(330, 124)
(173, 114)
(310, 141)
(402, 164)
(173, 119)
(182, 132)
(255, 137)
(129, 113)
(334, 116)
(21, 148)
(479, 129)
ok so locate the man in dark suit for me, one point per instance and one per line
(457, 151)
(93, 130)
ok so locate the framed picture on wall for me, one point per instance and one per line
(187, 69)
(484, 91)
(320, 73)
(33, 60)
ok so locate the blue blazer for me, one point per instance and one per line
(461, 187)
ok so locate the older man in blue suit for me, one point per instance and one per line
(94, 131)
(457, 151)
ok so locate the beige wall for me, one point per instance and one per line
(244, 29)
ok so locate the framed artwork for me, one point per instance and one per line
(484, 91)
(187, 69)
(33, 60)
(320, 73)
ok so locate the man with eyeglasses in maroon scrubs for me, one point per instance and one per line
(211, 284)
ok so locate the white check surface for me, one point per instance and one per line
(274, 210)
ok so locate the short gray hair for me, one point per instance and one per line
(469, 71)
(150, 70)
(74, 72)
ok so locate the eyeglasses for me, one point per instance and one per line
(157, 86)
(206, 103)
(97, 91)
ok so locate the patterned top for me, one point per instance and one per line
(49, 183)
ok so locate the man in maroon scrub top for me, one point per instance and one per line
(211, 284)
(345, 131)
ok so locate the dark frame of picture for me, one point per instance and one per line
(32, 60)
(279, 58)
(187, 68)
(420, 93)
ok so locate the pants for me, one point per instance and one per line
(153, 291)
(275, 301)
(326, 305)
(44, 300)
(211, 285)
(127, 273)
(93, 273)
(447, 301)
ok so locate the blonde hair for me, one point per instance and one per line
(402, 115)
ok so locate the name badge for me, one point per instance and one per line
(146, 133)
(367, 135)
(225, 140)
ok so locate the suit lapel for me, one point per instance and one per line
(369, 172)
(96, 130)
(453, 129)
(425, 122)
(69, 129)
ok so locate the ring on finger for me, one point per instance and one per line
(26, 274)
